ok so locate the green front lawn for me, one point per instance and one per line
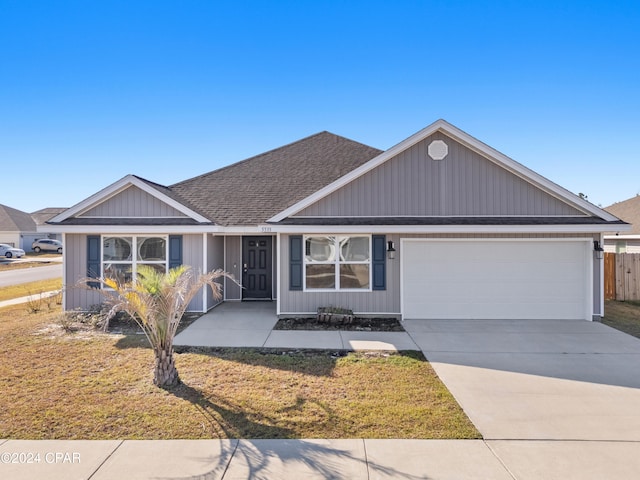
(89, 385)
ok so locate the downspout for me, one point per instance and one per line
(278, 273)
(205, 269)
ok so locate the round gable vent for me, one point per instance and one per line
(438, 150)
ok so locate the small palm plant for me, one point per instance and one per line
(157, 301)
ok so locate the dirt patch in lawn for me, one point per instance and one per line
(123, 324)
(357, 324)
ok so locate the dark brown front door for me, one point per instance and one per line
(256, 268)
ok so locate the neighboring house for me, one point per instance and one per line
(438, 226)
(629, 241)
(41, 217)
(17, 228)
(20, 229)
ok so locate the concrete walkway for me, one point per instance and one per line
(252, 459)
(553, 400)
(250, 324)
(28, 298)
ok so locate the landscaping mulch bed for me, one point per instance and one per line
(357, 324)
(125, 325)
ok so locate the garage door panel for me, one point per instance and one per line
(496, 279)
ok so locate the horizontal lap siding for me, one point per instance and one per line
(463, 184)
(633, 246)
(133, 202)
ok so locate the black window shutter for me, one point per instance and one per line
(379, 262)
(175, 251)
(93, 258)
(295, 262)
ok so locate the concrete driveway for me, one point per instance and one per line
(538, 380)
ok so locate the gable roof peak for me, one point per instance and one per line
(154, 189)
(467, 140)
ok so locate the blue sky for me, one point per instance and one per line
(92, 91)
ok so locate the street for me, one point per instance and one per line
(26, 275)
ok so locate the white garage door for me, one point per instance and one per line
(496, 279)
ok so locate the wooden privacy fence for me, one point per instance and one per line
(622, 276)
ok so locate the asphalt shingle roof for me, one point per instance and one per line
(42, 216)
(253, 190)
(629, 211)
(14, 220)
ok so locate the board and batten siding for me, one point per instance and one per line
(464, 183)
(132, 202)
(76, 297)
(366, 302)
(76, 268)
(388, 301)
(233, 265)
(192, 254)
(215, 260)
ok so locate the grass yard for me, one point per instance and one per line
(624, 316)
(87, 385)
(32, 288)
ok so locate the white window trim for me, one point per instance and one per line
(134, 249)
(337, 264)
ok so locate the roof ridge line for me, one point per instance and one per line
(254, 157)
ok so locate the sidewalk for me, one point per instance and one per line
(495, 458)
(349, 459)
(29, 298)
(243, 459)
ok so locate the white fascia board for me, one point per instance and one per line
(525, 173)
(119, 186)
(622, 237)
(248, 229)
(113, 229)
(437, 229)
(471, 142)
(253, 230)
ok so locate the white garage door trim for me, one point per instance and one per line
(559, 270)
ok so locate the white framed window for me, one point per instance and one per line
(337, 262)
(121, 255)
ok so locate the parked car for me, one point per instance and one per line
(46, 245)
(9, 251)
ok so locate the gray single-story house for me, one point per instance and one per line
(20, 229)
(438, 226)
(17, 228)
(629, 241)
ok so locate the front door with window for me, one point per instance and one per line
(256, 268)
